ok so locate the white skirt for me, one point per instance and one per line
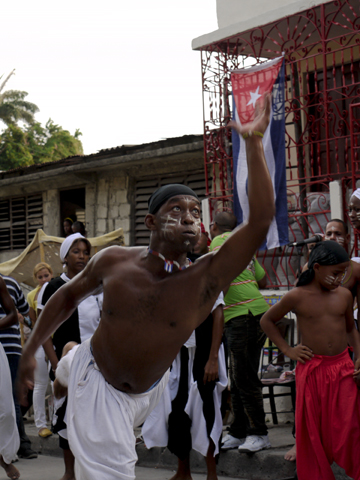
(101, 420)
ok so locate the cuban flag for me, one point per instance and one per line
(249, 85)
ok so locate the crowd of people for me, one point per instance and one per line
(145, 336)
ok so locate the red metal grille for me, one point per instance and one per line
(322, 57)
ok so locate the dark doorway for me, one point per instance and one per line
(72, 205)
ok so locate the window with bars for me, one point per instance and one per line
(20, 217)
(144, 189)
(342, 83)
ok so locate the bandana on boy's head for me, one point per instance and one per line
(323, 253)
(162, 195)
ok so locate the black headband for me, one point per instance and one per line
(323, 253)
(162, 194)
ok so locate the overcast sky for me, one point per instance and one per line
(122, 72)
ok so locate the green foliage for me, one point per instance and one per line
(14, 107)
(35, 144)
(60, 143)
(13, 149)
(32, 143)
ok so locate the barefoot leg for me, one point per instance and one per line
(11, 471)
(211, 463)
(183, 471)
(291, 454)
(69, 460)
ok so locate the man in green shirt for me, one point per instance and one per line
(244, 307)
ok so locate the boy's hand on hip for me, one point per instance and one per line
(300, 353)
(356, 374)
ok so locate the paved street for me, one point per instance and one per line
(52, 468)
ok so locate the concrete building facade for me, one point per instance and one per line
(107, 190)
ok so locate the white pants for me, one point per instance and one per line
(9, 435)
(101, 421)
(41, 378)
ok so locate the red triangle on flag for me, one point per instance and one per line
(250, 85)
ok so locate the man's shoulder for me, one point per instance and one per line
(118, 253)
(10, 281)
(110, 257)
(16, 294)
(13, 287)
(356, 269)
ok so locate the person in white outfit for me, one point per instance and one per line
(75, 254)
(9, 435)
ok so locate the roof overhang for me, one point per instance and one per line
(283, 29)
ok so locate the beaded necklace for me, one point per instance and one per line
(169, 264)
(351, 269)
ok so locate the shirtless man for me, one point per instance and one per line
(337, 231)
(148, 313)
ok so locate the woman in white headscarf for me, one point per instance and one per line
(75, 254)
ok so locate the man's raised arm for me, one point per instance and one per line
(235, 254)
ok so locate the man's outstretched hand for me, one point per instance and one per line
(261, 120)
(25, 379)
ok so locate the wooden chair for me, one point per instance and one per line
(271, 377)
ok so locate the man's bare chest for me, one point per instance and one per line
(145, 301)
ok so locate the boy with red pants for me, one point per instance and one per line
(327, 399)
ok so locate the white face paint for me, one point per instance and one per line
(333, 233)
(168, 226)
(170, 223)
(329, 279)
(340, 240)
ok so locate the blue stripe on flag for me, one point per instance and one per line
(277, 134)
(236, 151)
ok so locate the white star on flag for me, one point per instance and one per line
(254, 97)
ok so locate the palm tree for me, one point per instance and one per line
(14, 107)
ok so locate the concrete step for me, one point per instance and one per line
(264, 465)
